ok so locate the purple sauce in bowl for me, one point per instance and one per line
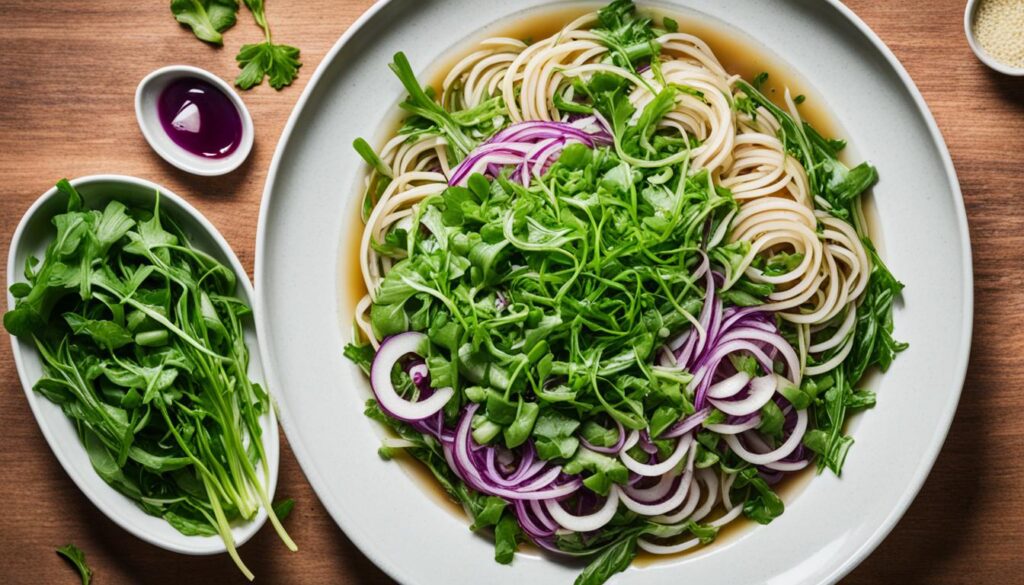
(199, 118)
(194, 120)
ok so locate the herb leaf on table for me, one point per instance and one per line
(279, 63)
(76, 557)
(207, 18)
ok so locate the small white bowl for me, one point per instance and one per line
(979, 51)
(31, 237)
(146, 96)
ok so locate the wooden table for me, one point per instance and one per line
(68, 72)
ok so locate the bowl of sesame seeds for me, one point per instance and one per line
(995, 31)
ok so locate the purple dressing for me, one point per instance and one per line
(199, 117)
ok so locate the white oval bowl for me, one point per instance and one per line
(146, 96)
(305, 230)
(31, 237)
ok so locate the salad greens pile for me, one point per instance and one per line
(547, 303)
(209, 18)
(142, 343)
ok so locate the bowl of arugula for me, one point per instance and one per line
(132, 334)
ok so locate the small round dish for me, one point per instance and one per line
(969, 13)
(146, 96)
(33, 234)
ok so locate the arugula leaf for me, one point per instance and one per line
(206, 18)
(506, 538)
(604, 470)
(519, 430)
(598, 435)
(490, 513)
(76, 557)
(830, 179)
(198, 526)
(279, 63)
(615, 558)
(553, 435)
(874, 344)
(421, 105)
(361, 355)
(772, 420)
(104, 333)
(762, 505)
(629, 36)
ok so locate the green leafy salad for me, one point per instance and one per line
(615, 294)
(142, 344)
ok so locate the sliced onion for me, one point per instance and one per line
(391, 350)
(762, 389)
(681, 514)
(687, 424)
(587, 522)
(538, 508)
(660, 549)
(774, 339)
(536, 531)
(730, 386)
(788, 466)
(657, 469)
(771, 457)
(710, 480)
(653, 493)
(680, 488)
(460, 458)
(530, 146)
(737, 428)
(727, 517)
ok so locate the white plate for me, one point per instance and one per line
(33, 234)
(303, 260)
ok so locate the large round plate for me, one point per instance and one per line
(303, 261)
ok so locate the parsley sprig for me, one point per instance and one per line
(209, 18)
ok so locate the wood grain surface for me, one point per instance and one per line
(68, 72)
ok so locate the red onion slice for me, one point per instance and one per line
(762, 389)
(461, 458)
(678, 495)
(730, 386)
(657, 469)
(530, 146)
(659, 549)
(391, 350)
(772, 456)
(687, 424)
(735, 429)
(651, 494)
(682, 513)
(589, 522)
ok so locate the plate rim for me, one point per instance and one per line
(358, 536)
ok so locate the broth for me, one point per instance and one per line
(737, 53)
